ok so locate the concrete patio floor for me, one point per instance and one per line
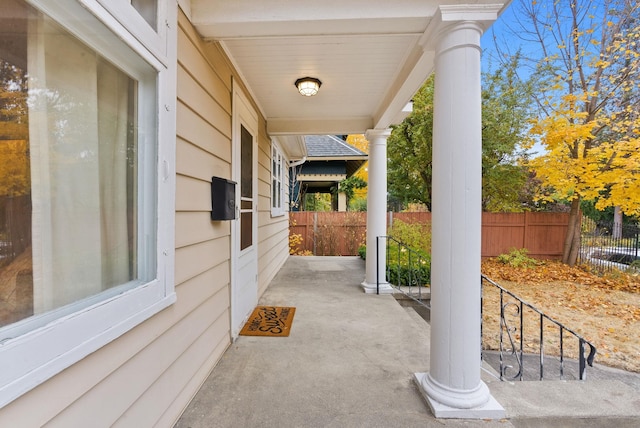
(349, 361)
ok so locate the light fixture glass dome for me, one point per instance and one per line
(308, 86)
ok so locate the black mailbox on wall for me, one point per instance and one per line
(223, 199)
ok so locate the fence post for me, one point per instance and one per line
(315, 233)
(525, 232)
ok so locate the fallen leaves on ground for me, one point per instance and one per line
(605, 310)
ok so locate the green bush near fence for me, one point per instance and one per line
(408, 267)
(416, 236)
(403, 273)
(362, 251)
(518, 258)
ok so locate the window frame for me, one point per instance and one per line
(154, 39)
(281, 162)
(38, 355)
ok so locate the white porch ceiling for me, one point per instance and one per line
(371, 56)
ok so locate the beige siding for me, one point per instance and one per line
(273, 232)
(147, 376)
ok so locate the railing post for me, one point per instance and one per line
(541, 346)
(377, 265)
(561, 353)
(481, 319)
(582, 366)
(521, 340)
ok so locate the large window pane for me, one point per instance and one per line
(69, 156)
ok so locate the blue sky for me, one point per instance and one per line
(499, 29)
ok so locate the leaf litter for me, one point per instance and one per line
(603, 309)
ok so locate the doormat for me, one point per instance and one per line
(269, 321)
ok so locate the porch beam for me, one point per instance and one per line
(376, 212)
(333, 126)
(453, 387)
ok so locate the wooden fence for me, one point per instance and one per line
(341, 233)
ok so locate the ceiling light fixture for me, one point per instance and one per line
(308, 86)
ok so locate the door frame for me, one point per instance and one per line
(243, 114)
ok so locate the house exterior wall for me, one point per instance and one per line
(273, 231)
(147, 376)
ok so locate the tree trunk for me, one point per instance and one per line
(617, 223)
(572, 241)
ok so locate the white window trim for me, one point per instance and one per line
(128, 16)
(42, 353)
(277, 211)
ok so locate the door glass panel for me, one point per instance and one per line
(246, 188)
(246, 230)
(246, 142)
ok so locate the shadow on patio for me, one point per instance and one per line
(349, 361)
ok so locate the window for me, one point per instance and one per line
(81, 202)
(148, 9)
(277, 180)
(146, 20)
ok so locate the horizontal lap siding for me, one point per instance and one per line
(147, 376)
(273, 232)
(202, 272)
(158, 381)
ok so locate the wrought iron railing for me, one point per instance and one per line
(606, 246)
(406, 269)
(513, 344)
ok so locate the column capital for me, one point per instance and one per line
(483, 14)
(371, 134)
(451, 17)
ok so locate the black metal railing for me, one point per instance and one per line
(408, 270)
(608, 245)
(514, 347)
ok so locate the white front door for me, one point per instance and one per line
(244, 267)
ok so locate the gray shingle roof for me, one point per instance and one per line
(323, 146)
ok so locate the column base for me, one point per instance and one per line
(385, 288)
(477, 404)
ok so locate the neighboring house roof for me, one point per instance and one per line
(331, 155)
(329, 160)
(330, 146)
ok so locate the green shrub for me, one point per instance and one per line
(416, 236)
(362, 251)
(409, 267)
(518, 258)
(418, 274)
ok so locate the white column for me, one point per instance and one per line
(376, 212)
(342, 202)
(453, 387)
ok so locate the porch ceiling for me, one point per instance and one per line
(371, 55)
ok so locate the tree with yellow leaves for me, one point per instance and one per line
(358, 182)
(14, 128)
(589, 69)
